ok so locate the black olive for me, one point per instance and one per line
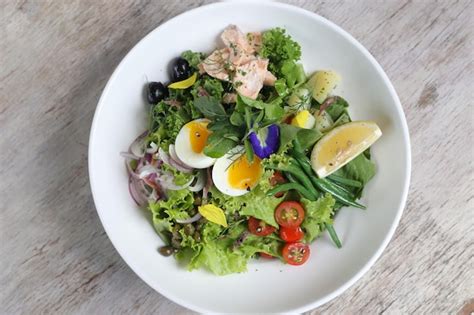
(166, 250)
(181, 70)
(156, 92)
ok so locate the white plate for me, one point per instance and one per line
(121, 116)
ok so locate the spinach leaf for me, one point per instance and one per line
(337, 108)
(250, 102)
(306, 137)
(237, 119)
(274, 111)
(217, 145)
(210, 107)
(293, 73)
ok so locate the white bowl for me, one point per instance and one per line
(268, 286)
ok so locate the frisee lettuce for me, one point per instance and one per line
(317, 214)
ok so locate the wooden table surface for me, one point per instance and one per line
(55, 59)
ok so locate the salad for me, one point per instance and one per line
(245, 156)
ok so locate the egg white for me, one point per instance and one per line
(185, 152)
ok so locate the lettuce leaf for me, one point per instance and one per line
(180, 178)
(317, 213)
(257, 204)
(219, 259)
(256, 244)
(193, 58)
(279, 47)
(229, 204)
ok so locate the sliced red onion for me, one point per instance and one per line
(170, 185)
(168, 160)
(175, 157)
(129, 155)
(201, 180)
(152, 149)
(206, 188)
(147, 170)
(328, 102)
(137, 194)
(129, 168)
(266, 142)
(162, 155)
(138, 145)
(196, 217)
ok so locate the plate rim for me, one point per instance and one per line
(402, 203)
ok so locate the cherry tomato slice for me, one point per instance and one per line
(289, 214)
(266, 256)
(276, 179)
(291, 234)
(259, 227)
(296, 253)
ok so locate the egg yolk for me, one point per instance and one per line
(244, 175)
(198, 134)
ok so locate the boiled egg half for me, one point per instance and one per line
(190, 144)
(234, 175)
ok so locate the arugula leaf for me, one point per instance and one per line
(210, 107)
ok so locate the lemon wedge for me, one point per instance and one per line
(342, 144)
(181, 85)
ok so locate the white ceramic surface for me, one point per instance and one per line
(121, 116)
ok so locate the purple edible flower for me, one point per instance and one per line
(266, 141)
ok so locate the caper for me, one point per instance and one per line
(176, 243)
(197, 201)
(166, 250)
(197, 236)
(192, 212)
(189, 229)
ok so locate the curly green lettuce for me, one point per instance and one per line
(317, 214)
(193, 58)
(279, 47)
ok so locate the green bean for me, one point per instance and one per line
(345, 181)
(324, 184)
(341, 188)
(289, 186)
(328, 187)
(333, 234)
(294, 170)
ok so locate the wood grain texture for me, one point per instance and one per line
(55, 58)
